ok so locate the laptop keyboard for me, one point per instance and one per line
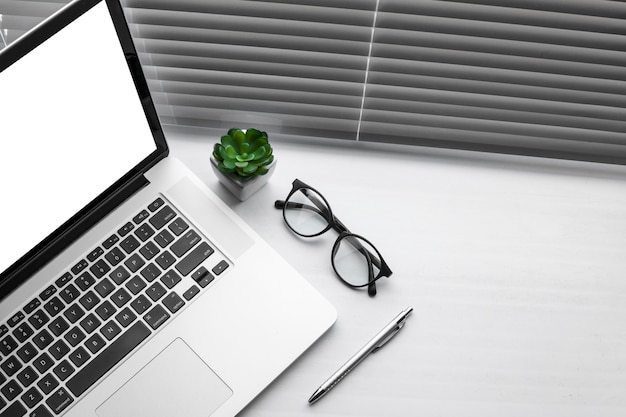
(90, 318)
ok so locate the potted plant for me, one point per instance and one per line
(243, 161)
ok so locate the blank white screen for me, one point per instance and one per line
(71, 123)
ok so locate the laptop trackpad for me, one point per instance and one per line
(175, 383)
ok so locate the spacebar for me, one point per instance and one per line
(102, 363)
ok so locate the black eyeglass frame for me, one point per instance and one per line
(323, 209)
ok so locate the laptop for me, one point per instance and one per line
(128, 288)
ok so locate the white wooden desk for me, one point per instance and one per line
(515, 268)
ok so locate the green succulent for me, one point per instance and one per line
(245, 153)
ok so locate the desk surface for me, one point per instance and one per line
(515, 268)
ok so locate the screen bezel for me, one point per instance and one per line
(121, 189)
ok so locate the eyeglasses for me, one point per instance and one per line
(354, 259)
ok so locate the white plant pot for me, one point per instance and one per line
(242, 189)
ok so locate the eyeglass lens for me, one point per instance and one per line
(355, 260)
(306, 213)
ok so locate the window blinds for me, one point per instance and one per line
(541, 77)
(19, 16)
(293, 68)
(538, 77)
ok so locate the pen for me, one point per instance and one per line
(377, 342)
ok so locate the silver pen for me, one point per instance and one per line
(377, 342)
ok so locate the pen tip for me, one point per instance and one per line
(316, 396)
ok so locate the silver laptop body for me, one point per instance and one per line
(128, 288)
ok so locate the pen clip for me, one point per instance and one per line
(387, 339)
(392, 334)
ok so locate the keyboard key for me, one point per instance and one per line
(173, 302)
(15, 319)
(108, 358)
(32, 397)
(85, 281)
(3, 329)
(119, 275)
(32, 305)
(134, 262)
(70, 293)
(80, 265)
(120, 297)
(164, 238)
(140, 304)
(59, 400)
(27, 376)
(95, 343)
(58, 326)
(220, 267)
(125, 317)
(115, 256)
(47, 293)
(149, 250)
(38, 319)
(14, 410)
(64, 279)
(202, 276)
(74, 313)
(47, 383)
(110, 330)
(90, 323)
(54, 306)
(100, 268)
(156, 317)
(178, 226)
(79, 356)
(74, 336)
(104, 287)
(11, 365)
(144, 232)
(162, 217)
(135, 285)
(89, 300)
(124, 230)
(155, 291)
(59, 349)
(63, 370)
(40, 411)
(43, 339)
(165, 260)
(170, 279)
(8, 345)
(43, 363)
(11, 390)
(22, 332)
(129, 244)
(95, 254)
(154, 206)
(143, 215)
(27, 352)
(105, 310)
(194, 258)
(185, 243)
(112, 240)
(150, 272)
(191, 292)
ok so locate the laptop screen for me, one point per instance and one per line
(71, 124)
